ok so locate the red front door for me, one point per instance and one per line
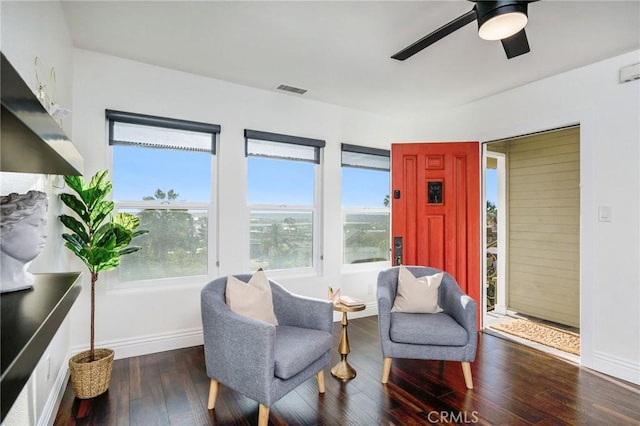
(436, 209)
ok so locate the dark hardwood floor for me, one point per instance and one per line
(513, 385)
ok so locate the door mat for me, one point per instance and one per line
(544, 334)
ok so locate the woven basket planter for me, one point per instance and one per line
(90, 379)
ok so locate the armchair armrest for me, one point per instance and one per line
(385, 302)
(459, 305)
(300, 311)
(384, 296)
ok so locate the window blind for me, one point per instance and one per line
(365, 157)
(265, 144)
(127, 128)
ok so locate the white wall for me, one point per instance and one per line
(30, 29)
(164, 316)
(38, 28)
(609, 118)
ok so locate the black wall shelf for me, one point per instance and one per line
(28, 321)
(32, 141)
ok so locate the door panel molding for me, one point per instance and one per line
(440, 228)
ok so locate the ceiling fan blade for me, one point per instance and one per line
(516, 45)
(441, 32)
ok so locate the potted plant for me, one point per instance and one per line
(99, 239)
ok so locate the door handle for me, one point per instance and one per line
(397, 251)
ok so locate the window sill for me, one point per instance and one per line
(365, 267)
(116, 287)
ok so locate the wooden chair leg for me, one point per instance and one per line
(466, 370)
(320, 377)
(213, 394)
(386, 369)
(263, 415)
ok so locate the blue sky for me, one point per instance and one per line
(363, 187)
(275, 181)
(270, 180)
(491, 185)
(138, 172)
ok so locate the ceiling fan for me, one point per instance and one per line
(497, 20)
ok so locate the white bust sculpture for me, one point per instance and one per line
(23, 219)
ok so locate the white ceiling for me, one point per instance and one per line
(340, 51)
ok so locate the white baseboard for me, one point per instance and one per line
(50, 409)
(616, 367)
(127, 348)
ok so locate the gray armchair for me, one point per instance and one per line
(259, 360)
(450, 335)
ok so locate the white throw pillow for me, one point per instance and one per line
(252, 299)
(417, 295)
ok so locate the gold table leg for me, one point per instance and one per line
(342, 369)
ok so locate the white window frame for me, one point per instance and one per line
(315, 208)
(211, 207)
(349, 267)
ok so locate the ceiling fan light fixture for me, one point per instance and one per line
(498, 20)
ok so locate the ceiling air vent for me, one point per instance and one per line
(291, 89)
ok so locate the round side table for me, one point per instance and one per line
(342, 369)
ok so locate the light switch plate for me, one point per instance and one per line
(604, 213)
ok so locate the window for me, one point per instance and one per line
(281, 197)
(365, 204)
(163, 173)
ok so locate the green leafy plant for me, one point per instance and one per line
(99, 238)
